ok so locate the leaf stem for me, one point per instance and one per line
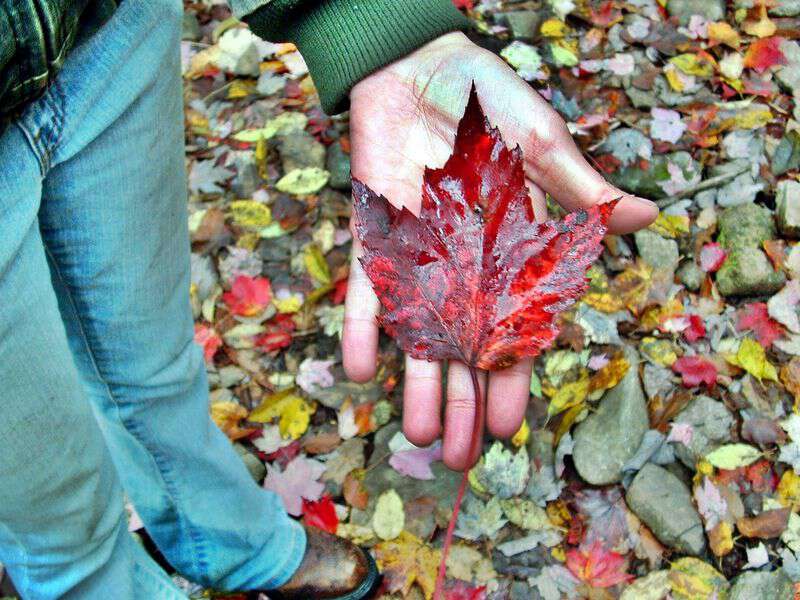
(448, 538)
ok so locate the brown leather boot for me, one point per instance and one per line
(332, 569)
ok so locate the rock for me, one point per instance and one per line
(665, 505)
(745, 226)
(658, 252)
(787, 208)
(247, 181)
(524, 24)
(711, 426)
(788, 75)
(338, 165)
(786, 8)
(253, 464)
(299, 150)
(691, 276)
(655, 181)
(190, 28)
(609, 437)
(761, 585)
(748, 272)
(712, 10)
(238, 52)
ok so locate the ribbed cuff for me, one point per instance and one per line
(343, 41)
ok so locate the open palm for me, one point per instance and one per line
(404, 118)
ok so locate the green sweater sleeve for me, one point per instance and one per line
(343, 41)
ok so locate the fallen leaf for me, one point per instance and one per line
(733, 456)
(695, 370)
(321, 514)
(248, 296)
(597, 566)
(769, 524)
(405, 561)
(712, 257)
(764, 54)
(228, 416)
(752, 358)
(503, 473)
(297, 481)
(694, 579)
(416, 463)
(388, 519)
(755, 317)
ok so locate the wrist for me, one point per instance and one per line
(344, 41)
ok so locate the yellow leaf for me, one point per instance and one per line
(692, 64)
(610, 375)
(674, 79)
(389, 517)
(302, 182)
(789, 489)
(293, 412)
(694, 579)
(733, 456)
(405, 561)
(752, 358)
(288, 305)
(240, 88)
(569, 395)
(661, 352)
(553, 28)
(249, 213)
(316, 265)
(721, 539)
(723, 33)
(523, 433)
(671, 226)
(567, 421)
(763, 27)
(753, 118)
(227, 416)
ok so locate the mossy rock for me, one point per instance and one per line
(748, 272)
(746, 226)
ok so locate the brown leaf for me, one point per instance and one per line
(769, 524)
(322, 443)
(353, 490)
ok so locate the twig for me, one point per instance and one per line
(448, 538)
(703, 185)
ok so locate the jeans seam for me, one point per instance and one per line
(199, 557)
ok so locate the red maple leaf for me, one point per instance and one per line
(755, 317)
(765, 53)
(321, 514)
(597, 566)
(712, 256)
(208, 339)
(695, 330)
(278, 333)
(695, 370)
(474, 277)
(248, 295)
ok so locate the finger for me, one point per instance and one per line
(554, 162)
(509, 391)
(538, 200)
(460, 450)
(360, 332)
(422, 397)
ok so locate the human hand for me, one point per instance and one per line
(403, 118)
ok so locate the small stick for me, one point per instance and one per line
(448, 538)
(703, 185)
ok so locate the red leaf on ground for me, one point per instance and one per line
(597, 566)
(712, 256)
(278, 333)
(695, 370)
(248, 295)
(755, 317)
(695, 330)
(765, 53)
(468, 4)
(321, 514)
(474, 277)
(460, 590)
(208, 339)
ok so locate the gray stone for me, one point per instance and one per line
(257, 469)
(658, 252)
(665, 505)
(712, 10)
(762, 585)
(609, 437)
(787, 208)
(748, 272)
(650, 182)
(338, 165)
(746, 226)
(299, 150)
(691, 276)
(711, 426)
(786, 8)
(788, 75)
(190, 28)
(524, 24)
(247, 180)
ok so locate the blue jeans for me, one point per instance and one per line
(101, 385)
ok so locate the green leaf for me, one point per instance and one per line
(733, 456)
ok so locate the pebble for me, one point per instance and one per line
(711, 426)
(523, 24)
(664, 504)
(190, 28)
(691, 276)
(299, 150)
(256, 468)
(748, 272)
(761, 585)
(656, 251)
(712, 10)
(609, 437)
(787, 208)
(745, 226)
(338, 165)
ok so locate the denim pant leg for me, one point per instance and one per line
(114, 220)
(63, 532)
